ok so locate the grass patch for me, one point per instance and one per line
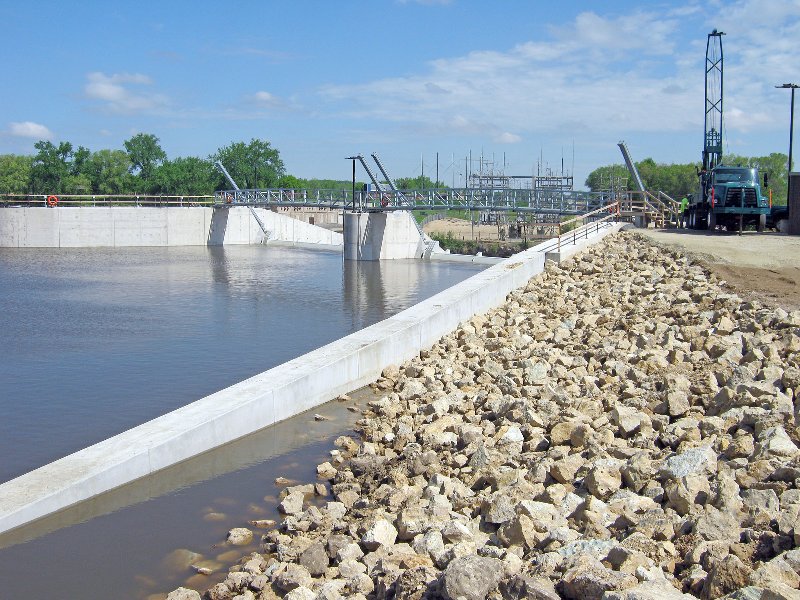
(459, 246)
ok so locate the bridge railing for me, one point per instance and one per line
(44, 200)
(473, 199)
(571, 230)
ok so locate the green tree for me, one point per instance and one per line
(332, 184)
(601, 178)
(190, 176)
(417, 183)
(108, 172)
(675, 180)
(290, 182)
(15, 173)
(145, 155)
(51, 167)
(253, 165)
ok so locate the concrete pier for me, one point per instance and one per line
(382, 236)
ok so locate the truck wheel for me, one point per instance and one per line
(762, 223)
(712, 220)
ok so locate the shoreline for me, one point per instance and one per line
(624, 435)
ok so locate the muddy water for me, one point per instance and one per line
(96, 341)
(141, 540)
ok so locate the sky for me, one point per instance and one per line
(526, 84)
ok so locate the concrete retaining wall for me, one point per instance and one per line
(81, 227)
(381, 236)
(264, 399)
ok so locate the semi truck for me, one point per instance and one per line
(727, 196)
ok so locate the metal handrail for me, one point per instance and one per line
(33, 200)
(504, 200)
(612, 210)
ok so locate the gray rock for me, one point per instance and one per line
(380, 533)
(774, 441)
(455, 531)
(292, 577)
(588, 579)
(412, 388)
(694, 461)
(472, 577)
(292, 503)
(727, 575)
(521, 587)
(315, 559)
(183, 594)
(499, 509)
(351, 568)
(300, 593)
(762, 505)
(412, 584)
(239, 536)
(648, 590)
(717, 525)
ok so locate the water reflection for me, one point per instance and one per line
(99, 340)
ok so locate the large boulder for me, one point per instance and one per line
(380, 533)
(472, 577)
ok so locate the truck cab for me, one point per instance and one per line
(728, 196)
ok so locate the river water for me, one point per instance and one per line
(96, 341)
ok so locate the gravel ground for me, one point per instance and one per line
(764, 265)
(624, 427)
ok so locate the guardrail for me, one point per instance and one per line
(591, 221)
(494, 200)
(52, 200)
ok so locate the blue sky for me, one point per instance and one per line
(513, 80)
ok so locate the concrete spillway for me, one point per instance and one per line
(82, 227)
(367, 236)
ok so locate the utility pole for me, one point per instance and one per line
(793, 87)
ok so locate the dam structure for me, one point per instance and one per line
(269, 397)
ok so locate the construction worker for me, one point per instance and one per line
(683, 208)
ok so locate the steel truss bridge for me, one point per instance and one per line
(469, 199)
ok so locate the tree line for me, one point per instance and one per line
(678, 180)
(143, 167)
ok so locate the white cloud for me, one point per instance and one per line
(582, 79)
(263, 98)
(116, 93)
(29, 129)
(597, 76)
(507, 138)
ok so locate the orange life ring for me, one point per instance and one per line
(52, 200)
